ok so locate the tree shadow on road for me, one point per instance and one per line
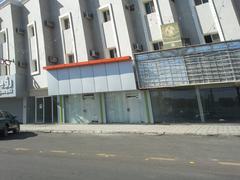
(20, 136)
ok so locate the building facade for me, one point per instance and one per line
(126, 61)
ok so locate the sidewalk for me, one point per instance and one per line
(196, 129)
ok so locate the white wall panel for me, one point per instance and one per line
(127, 78)
(64, 83)
(100, 78)
(75, 81)
(92, 79)
(113, 77)
(87, 79)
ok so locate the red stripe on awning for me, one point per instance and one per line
(88, 63)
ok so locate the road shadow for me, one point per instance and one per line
(20, 136)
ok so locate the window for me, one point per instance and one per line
(106, 16)
(70, 58)
(34, 65)
(66, 24)
(113, 53)
(212, 38)
(149, 7)
(199, 2)
(157, 45)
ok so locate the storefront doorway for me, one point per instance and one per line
(46, 110)
(125, 107)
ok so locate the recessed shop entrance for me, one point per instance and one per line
(125, 107)
(46, 110)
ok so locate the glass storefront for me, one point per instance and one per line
(182, 106)
(175, 106)
(221, 105)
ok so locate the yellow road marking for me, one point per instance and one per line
(229, 163)
(160, 159)
(22, 149)
(58, 151)
(106, 155)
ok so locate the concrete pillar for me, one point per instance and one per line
(200, 107)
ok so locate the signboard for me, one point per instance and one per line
(171, 36)
(7, 86)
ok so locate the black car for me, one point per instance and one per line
(8, 123)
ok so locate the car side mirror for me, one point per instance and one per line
(14, 117)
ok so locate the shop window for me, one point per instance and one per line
(212, 38)
(149, 7)
(199, 2)
(106, 16)
(113, 53)
(221, 104)
(157, 45)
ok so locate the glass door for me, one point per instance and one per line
(39, 110)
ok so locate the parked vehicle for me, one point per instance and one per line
(8, 123)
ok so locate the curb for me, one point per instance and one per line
(99, 132)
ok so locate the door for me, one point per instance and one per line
(90, 108)
(44, 110)
(39, 110)
(136, 111)
(125, 107)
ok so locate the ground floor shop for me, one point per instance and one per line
(174, 105)
(196, 105)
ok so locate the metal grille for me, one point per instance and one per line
(189, 66)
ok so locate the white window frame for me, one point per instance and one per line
(5, 31)
(61, 23)
(30, 25)
(101, 21)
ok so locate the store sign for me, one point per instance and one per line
(7, 86)
(171, 36)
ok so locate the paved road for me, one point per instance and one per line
(31, 156)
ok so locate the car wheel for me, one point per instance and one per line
(16, 130)
(5, 131)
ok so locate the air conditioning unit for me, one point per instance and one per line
(130, 7)
(20, 31)
(49, 24)
(138, 47)
(88, 16)
(52, 60)
(94, 54)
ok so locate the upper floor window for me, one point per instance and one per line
(157, 45)
(106, 16)
(149, 7)
(31, 31)
(113, 53)
(212, 38)
(199, 2)
(66, 23)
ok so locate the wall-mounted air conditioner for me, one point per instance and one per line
(52, 59)
(94, 54)
(88, 15)
(138, 47)
(49, 24)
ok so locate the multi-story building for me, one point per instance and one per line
(71, 62)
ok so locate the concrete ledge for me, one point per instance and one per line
(155, 130)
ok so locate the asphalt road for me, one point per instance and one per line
(31, 156)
